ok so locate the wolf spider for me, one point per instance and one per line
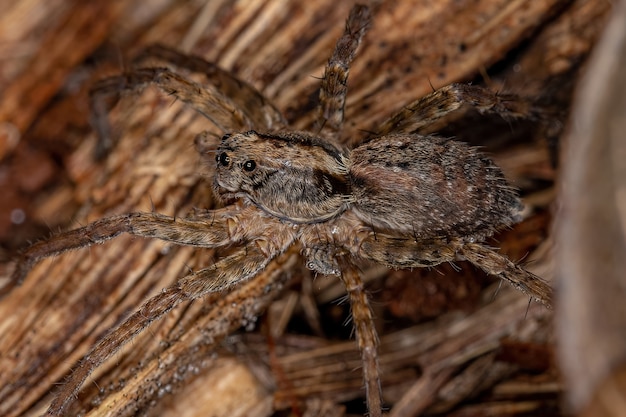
(400, 199)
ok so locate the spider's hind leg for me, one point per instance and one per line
(408, 253)
(420, 116)
(499, 265)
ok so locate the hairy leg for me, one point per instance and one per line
(150, 311)
(405, 253)
(421, 114)
(408, 253)
(226, 313)
(229, 271)
(214, 229)
(206, 99)
(366, 336)
(257, 108)
(496, 264)
(334, 87)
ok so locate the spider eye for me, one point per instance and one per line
(226, 136)
(223, 159)
(249, 165)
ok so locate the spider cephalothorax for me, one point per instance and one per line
(276, 173)
(400, 199)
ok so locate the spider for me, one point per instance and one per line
(399, 198)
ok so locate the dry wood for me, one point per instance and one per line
(280, 47)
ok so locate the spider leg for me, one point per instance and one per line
(408, 253)
(217, 228)
(496, 264)
(332, 97)
(206, 99)
(258, 109)
(366, 336)
(238, 267)
(420, 115)
(150, 311)
(231, 270)
(405, 253)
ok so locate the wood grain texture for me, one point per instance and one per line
(68, 302)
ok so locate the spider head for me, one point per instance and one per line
(236, 168)
(294, 176)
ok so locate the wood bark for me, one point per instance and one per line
(448, 345)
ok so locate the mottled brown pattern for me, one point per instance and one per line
(400, 199)
(430, 187)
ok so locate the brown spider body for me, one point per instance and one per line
(400, 199)
(409, 185)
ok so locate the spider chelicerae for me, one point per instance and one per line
(400, 199)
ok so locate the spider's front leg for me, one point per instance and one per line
(258, 109)
(207, 100)
(216, 228)
(230, 103)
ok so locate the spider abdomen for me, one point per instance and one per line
(430, 187)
